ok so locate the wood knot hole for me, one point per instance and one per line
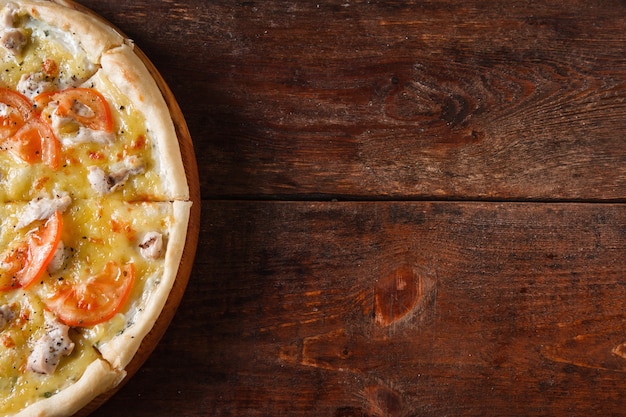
(384, 401)
(399, 293)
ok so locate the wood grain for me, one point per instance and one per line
(409, 208)
(441, 99)
(486, 311)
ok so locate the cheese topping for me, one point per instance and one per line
(51, 347)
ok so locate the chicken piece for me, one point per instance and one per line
(151, 246)
(43, 208)
(84, 135)
(103, 183)
(58, 258)
(14, 40)
(72, 133)
(51, 347)
(98, 180)
(8, 15)
(120, 173)
(6, 315)
(34, 83)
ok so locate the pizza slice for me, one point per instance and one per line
(80, 112)
(81, 283)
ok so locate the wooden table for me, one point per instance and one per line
(409, 208)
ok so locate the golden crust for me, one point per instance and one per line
(98, 378)
(126, 70)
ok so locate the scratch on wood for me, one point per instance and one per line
(327, 351)
(590, 350)
(620, 350)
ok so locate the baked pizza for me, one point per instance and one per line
(94, 206)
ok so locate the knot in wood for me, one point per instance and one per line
(400, 293)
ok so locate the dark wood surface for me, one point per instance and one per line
(408, 208)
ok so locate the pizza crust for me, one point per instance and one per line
(98, 378)
(128, 73)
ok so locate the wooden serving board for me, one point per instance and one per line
(191, 242)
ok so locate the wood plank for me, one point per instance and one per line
(395, 100)
(395, 309)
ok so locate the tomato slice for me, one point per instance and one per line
(95, 299)
(19, 109)
(35, 142)
(85, 105)
(26, 262)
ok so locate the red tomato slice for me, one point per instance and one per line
(18, 112)
(35, 142)
(29, 259)
(95, 299)
(85, 105)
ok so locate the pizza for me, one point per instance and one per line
(94, 206)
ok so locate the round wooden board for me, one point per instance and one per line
(189, 251)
